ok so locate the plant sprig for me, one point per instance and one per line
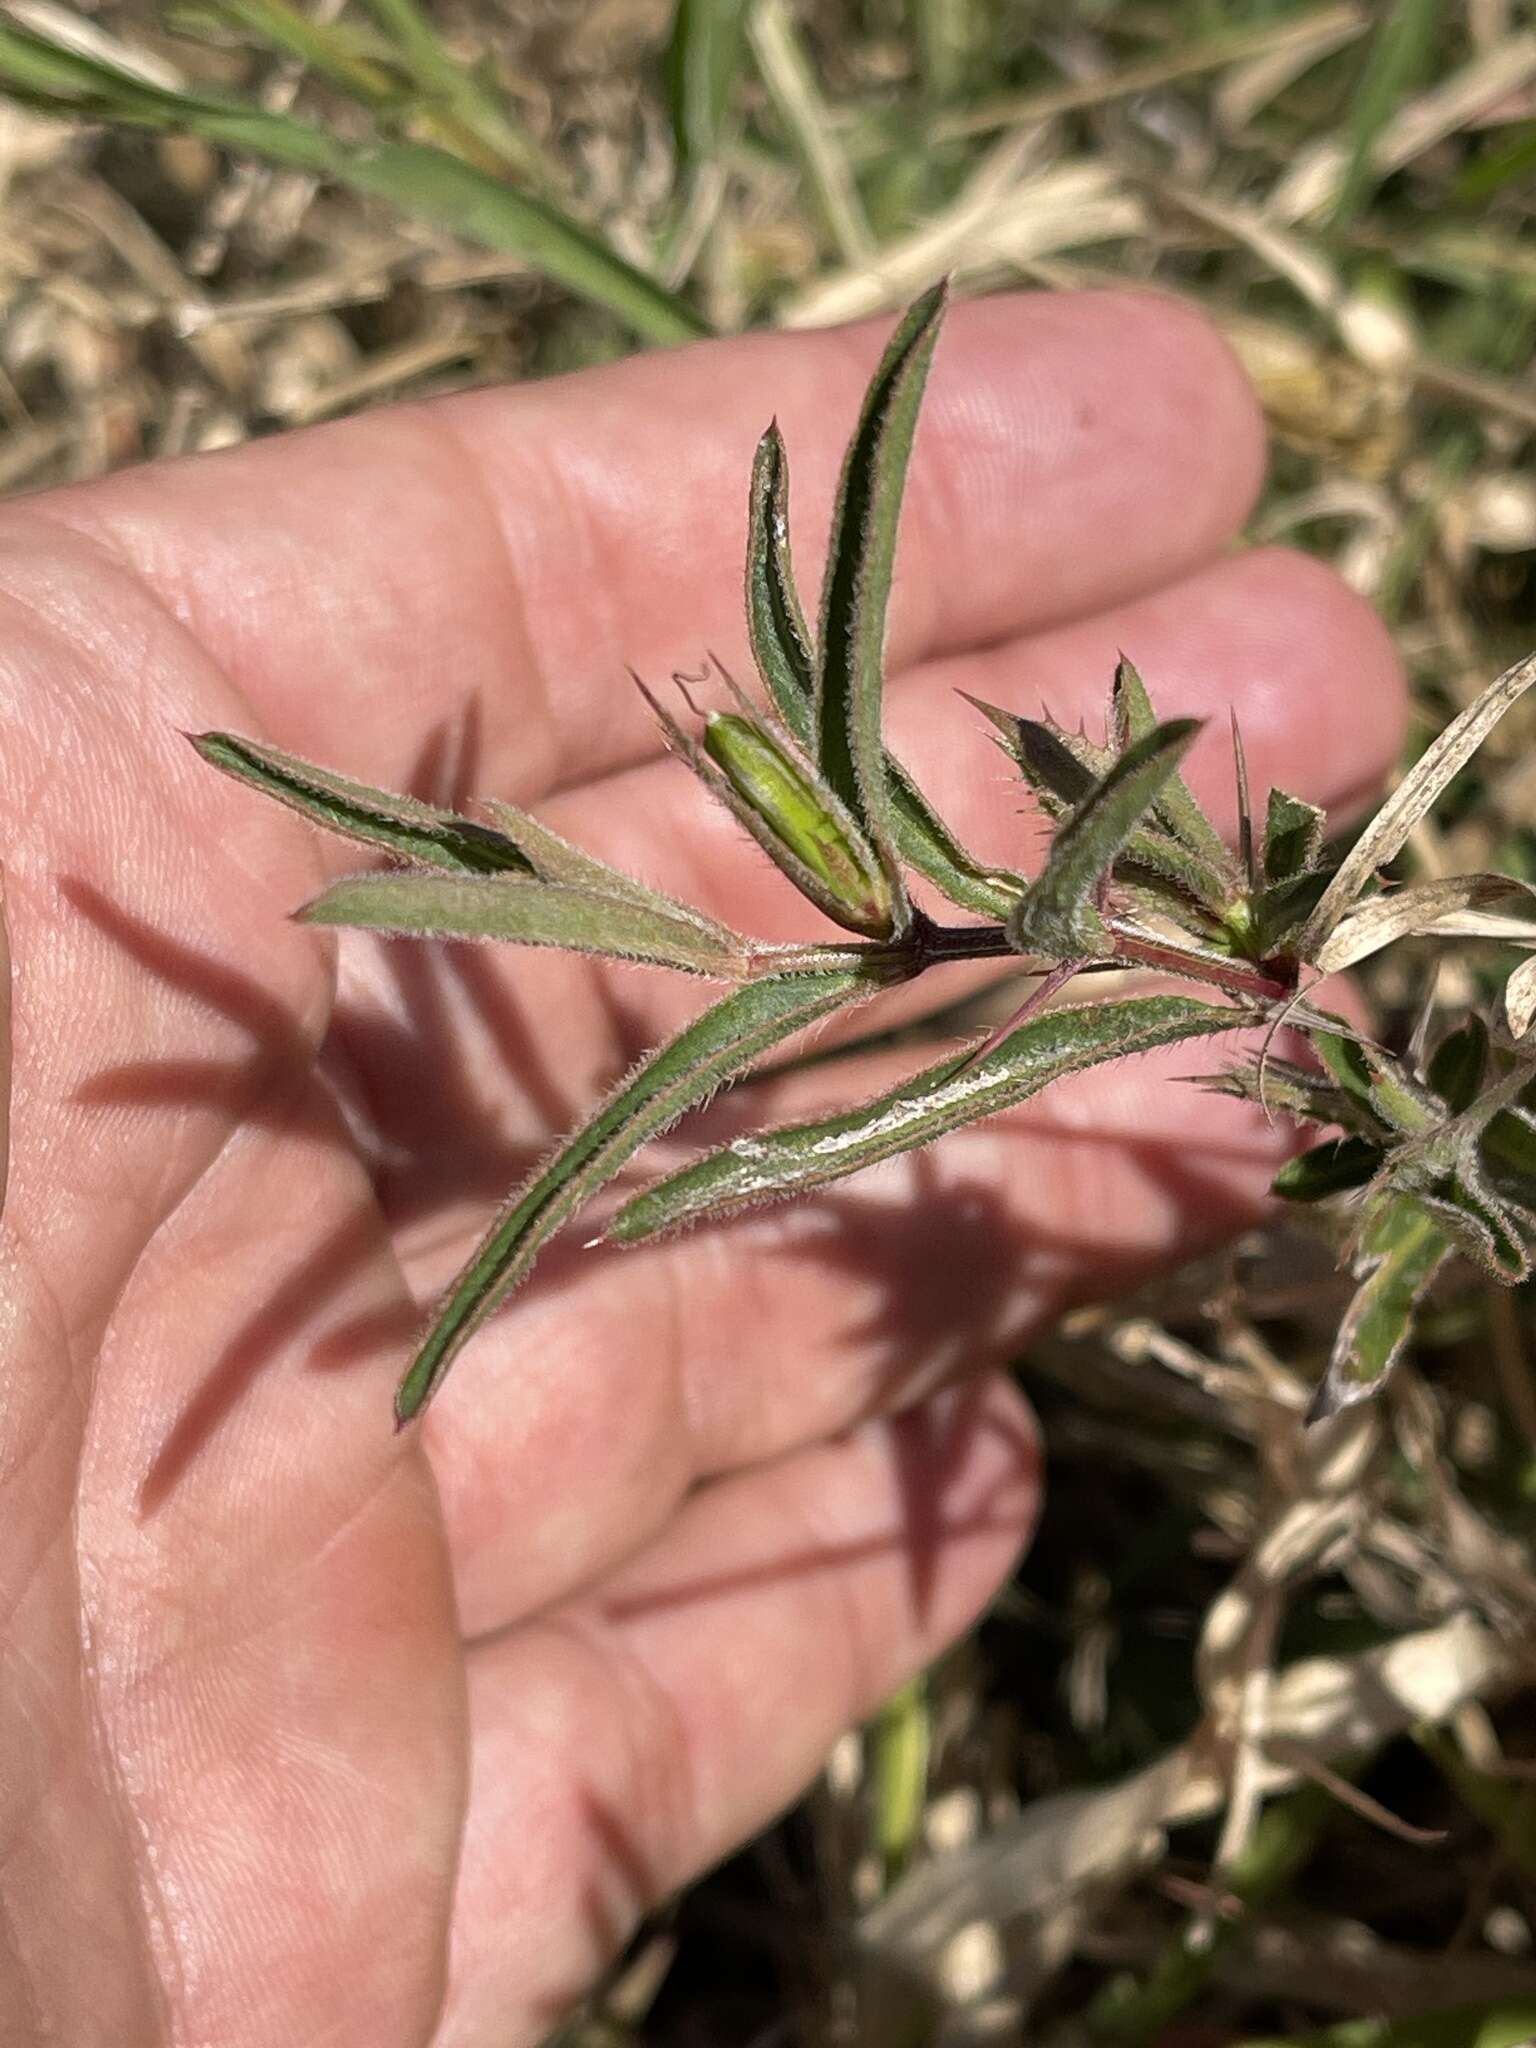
(1437, 1157)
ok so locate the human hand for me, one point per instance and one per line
(312, 1732)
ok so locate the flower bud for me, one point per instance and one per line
(825, 845)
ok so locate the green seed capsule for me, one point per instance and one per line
(801, 817)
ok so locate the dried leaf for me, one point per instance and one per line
(849, 747)
(728, 1038)
(529, 913)
(1520, 999)
(1458, 906)
(410, 830)
(801, 1156)
(1383, 839)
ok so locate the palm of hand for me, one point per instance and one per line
(307, 1731)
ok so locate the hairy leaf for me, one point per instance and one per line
(1293, 838)
(1058, 918)
(1460, 1061)
(781, 645)
(555, 860)
(1383, 838)
(800, 1156)
(781, 640)
(1400, 1251)
(1331, 1168)
(1377, 1084)
(529, 913)
(410, 830)
(850, 683)
(1176, 809)
(728, 1038)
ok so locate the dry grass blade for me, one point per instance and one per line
(1383, 839)
(1520, 999)
(1460, 906)
(792, 87)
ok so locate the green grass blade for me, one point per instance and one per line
(849, 744)
(467, 110)
(727, 1039)
(401, 825)
(781, 639)
(801, 1156)
(1393, 63)
(529, 913)
(424, 183)
(333, 50)
(703, 70)
(1057, 918)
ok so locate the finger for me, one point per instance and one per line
(622, 1743)
(1307, 665)
(275, 1666)
(616, 1380)
(507, 553)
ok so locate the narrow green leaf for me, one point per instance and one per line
(1057, 918)
(800, 1156)
(926, 843)
(1401, 1249)
(1480, 1226)
(554, 859)
(1176, 809)
(1280, 909)
(1376, 1084)
(729, 1037)
(1396, 56)
(529, 913)
(703, 67)
(786, 661)
(1460, 1061)
(781, 640)
(426, 184)
(399, 824)
(1293, 837)
(850, 681)
(1327, 1169)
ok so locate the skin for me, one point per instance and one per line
(312, 1733)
